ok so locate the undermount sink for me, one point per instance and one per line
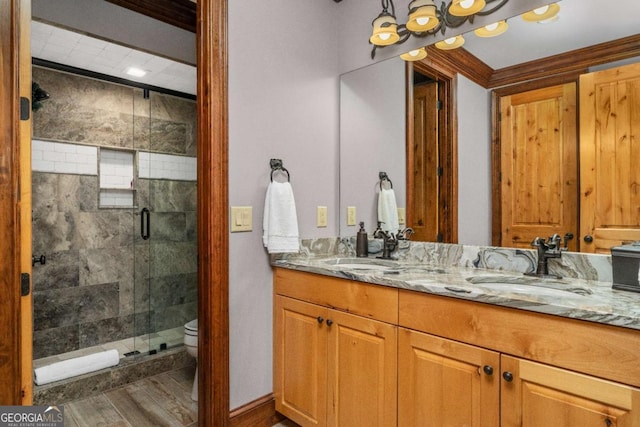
(361, 263)
(537, 290)
(530, 285)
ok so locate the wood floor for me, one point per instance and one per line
(160, 400)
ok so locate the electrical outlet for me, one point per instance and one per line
(241, 218)
(402, 219)
(351, 215)
(322, 216)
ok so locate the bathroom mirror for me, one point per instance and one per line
(372, 135)
(373, 115)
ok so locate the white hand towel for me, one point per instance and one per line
(280, 221)
(388, 210)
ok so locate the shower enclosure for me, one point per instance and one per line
(114, 217)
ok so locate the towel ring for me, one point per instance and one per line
(276, 165)
(384, 177)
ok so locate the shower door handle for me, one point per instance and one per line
(144, 223)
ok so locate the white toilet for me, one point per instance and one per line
(191, 342)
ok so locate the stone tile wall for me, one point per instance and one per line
(101, 281)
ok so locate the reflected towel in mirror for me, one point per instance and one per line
(388, 210)
(280, 222)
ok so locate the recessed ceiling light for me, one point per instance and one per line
(136, 72)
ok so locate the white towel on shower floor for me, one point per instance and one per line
(77, 366)
(388, 210)
(280, 221)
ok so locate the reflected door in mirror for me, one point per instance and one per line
(609, 158)
(425, 155)
(539, 165)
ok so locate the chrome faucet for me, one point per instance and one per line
(546, 250)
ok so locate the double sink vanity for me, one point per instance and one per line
(453, 335)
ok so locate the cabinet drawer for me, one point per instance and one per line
(601, 350)
(364, 299)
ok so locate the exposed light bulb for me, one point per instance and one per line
(414, 52)
(541, 10)
(384, 36)
(450, 40)
(422, 20)
(491, 27)
(466, 4)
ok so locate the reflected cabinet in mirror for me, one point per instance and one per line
(536, 148)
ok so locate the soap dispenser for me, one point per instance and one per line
(362, 242)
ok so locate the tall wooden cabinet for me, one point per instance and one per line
(331, 367)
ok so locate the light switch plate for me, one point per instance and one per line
(241, 218)
(402, 219)
(351, 215)
(322, 216)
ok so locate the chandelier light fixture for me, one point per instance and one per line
(426, 19)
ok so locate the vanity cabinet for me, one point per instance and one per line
(332, 367)
(348, 353)
(534, 394)
(503, 375)
(446, 383)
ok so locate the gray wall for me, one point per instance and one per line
(474, 163)
(102, 282)
(283, 103)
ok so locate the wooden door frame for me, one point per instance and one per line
(448, 130)
(213, 244)
(213, 201)
(496, 166)
(16, 135)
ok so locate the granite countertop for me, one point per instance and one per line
(581, 299)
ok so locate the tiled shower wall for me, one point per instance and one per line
(101, 281)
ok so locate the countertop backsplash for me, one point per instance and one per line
(571, 265)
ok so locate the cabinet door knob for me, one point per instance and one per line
(508, 376)
(329, 322)
(488, 369)
(588, 238)
(320, 319)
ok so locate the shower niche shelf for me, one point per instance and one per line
(117, 178)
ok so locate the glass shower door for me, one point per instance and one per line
(166, 274)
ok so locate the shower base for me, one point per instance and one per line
(142, 364)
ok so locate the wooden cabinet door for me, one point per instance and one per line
(609, 158)
(539, 183)
(541, 395)
(445, 383)
(361, 372)
(300, 361)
